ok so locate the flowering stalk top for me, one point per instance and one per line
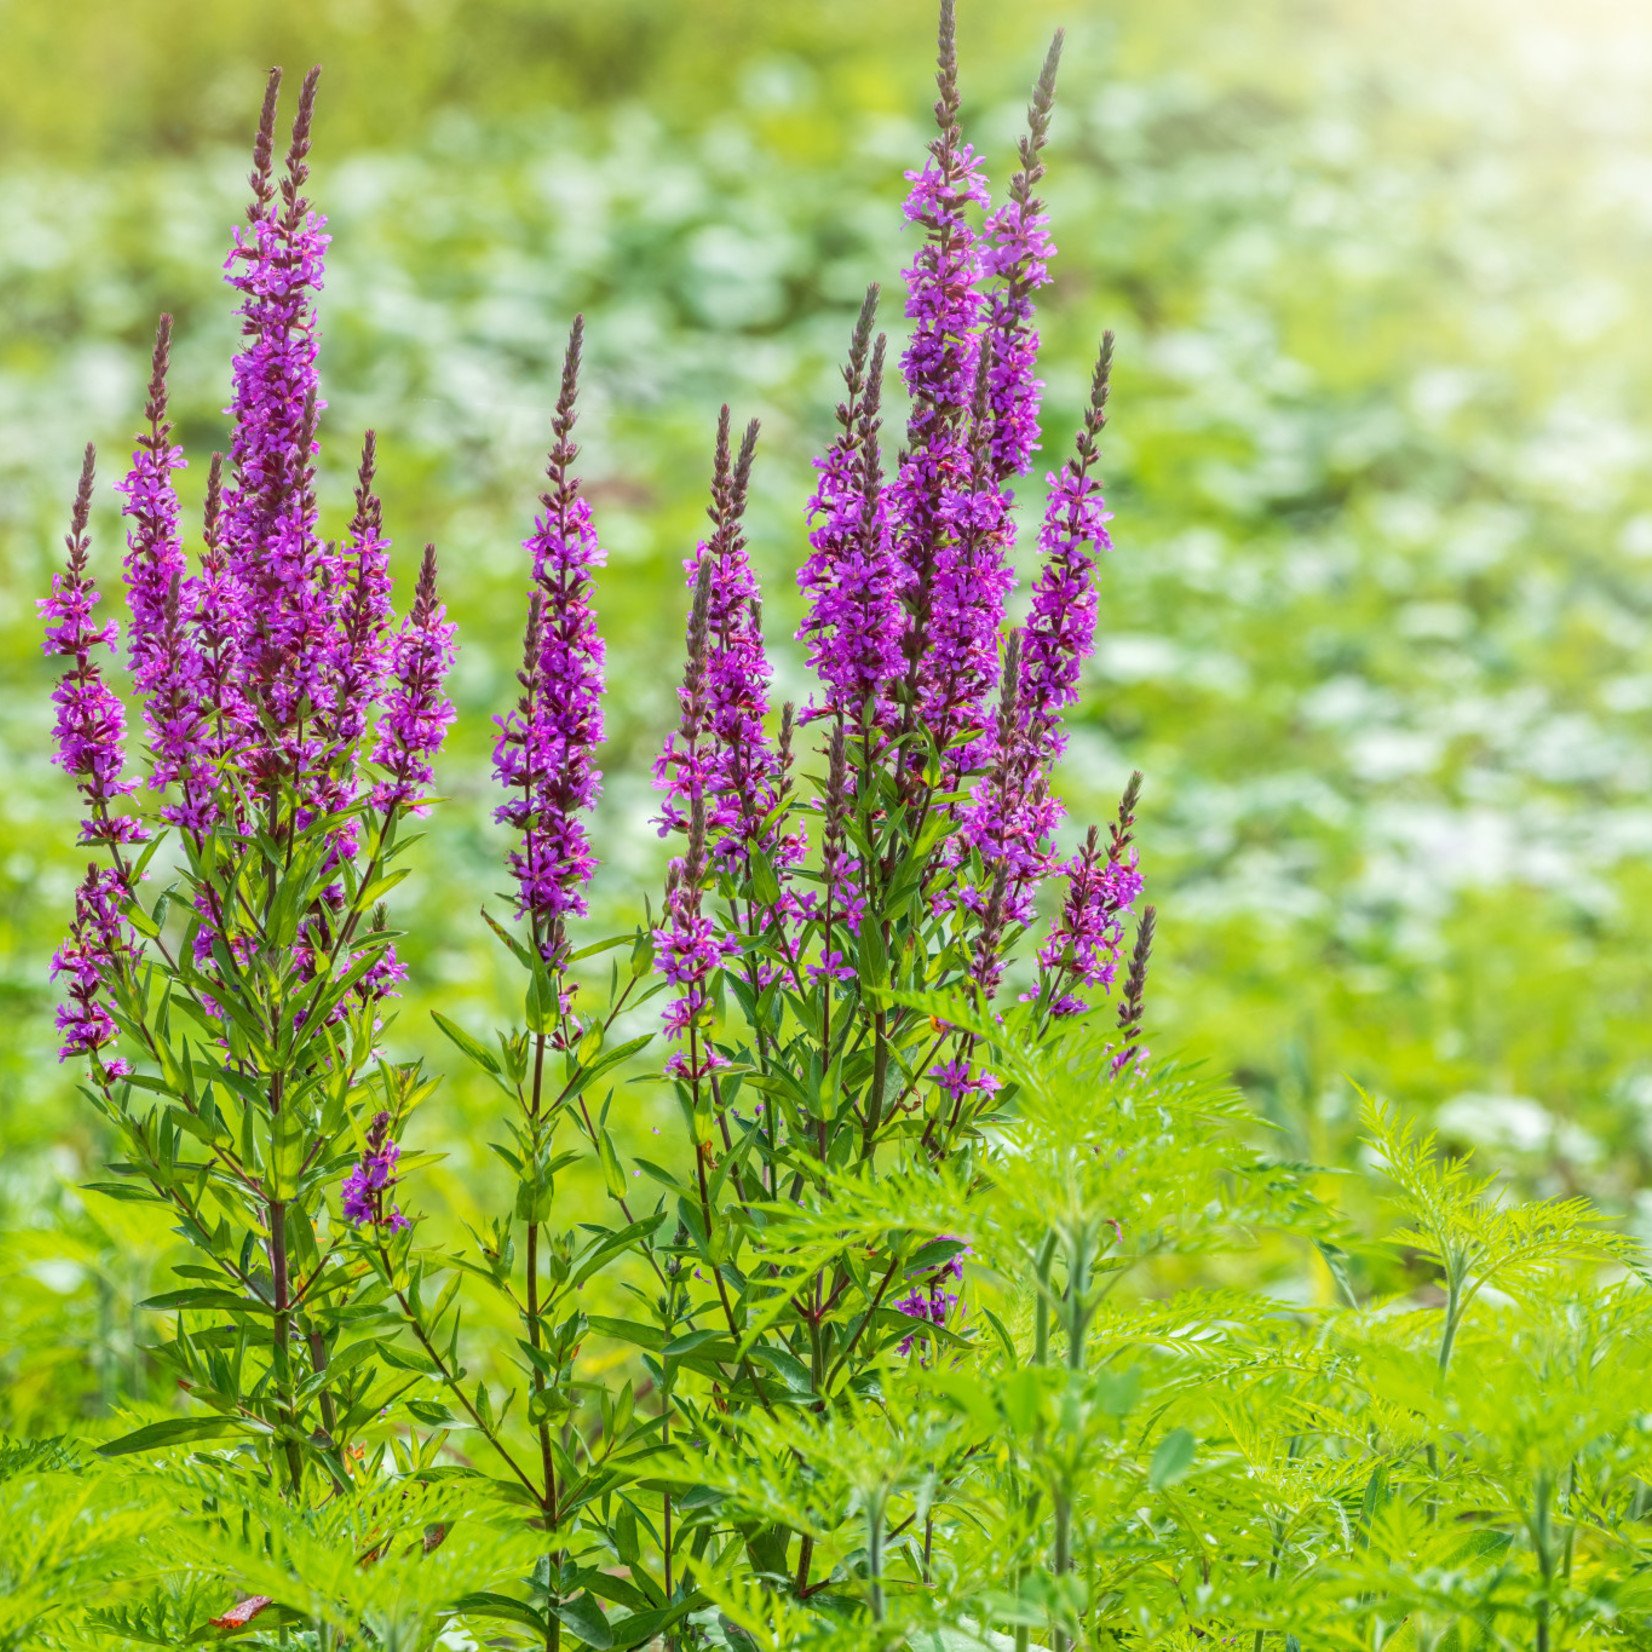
(1085, 942)
(931, 494)
(90, 728)
(361, 656)
(856, 622)
(1012, 815)
(416, 709)
(545, 756)
(287, 579)
(1018, 255)
(722, 753)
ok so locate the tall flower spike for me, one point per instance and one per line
(841, 903)
(155, 558)
(166, 665)
(855, 623)
(545, 756)
(179, 714)
(290, 581)
(1009, 818)
(1083, 947)
(1061, 629)
(1013, 814)
(971, 584)
(218, 626)
(1018, 254)
(90, 726)
(735, 770)
(98, 947)
(944, 304)
(416, 711)
(362, 659)
(689, 951)
(1132, 1006)
(683, 768)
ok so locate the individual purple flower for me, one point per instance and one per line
(962, 1079)
(90, 727)
(98, 946)
(545, 756)
(1016, 259)
(416, 710)
(856, 622)
(365, 1194)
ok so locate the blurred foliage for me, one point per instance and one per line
(1377, 628)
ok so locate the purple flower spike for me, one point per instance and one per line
(170, 674)
(290, 580)
(218, 627)
(1132, 1006)
(856, 622)
(98, 946)
(1018, 255)
(364, 1194)
(91, 722)
(416, 711)
(721, 753)
(362, 654)
(930, 501)
(688, 952)
(545, 756)
(155, 560)
(1061, 629)
(1086, 940)
(970, 586)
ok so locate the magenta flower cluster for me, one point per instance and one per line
(274, 686)
(275, 676)
(365, 1195)
(934, 1301)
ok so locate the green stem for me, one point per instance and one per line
(874, 1556)
(1542, 1535)
(282, 1332)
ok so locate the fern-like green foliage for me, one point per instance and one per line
(1111, 1446)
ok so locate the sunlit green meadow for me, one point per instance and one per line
(1378, 627)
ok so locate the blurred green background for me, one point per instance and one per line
(1377, 627)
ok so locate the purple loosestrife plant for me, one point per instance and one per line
(831, 1018)
(837, 953)
(234, 946)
